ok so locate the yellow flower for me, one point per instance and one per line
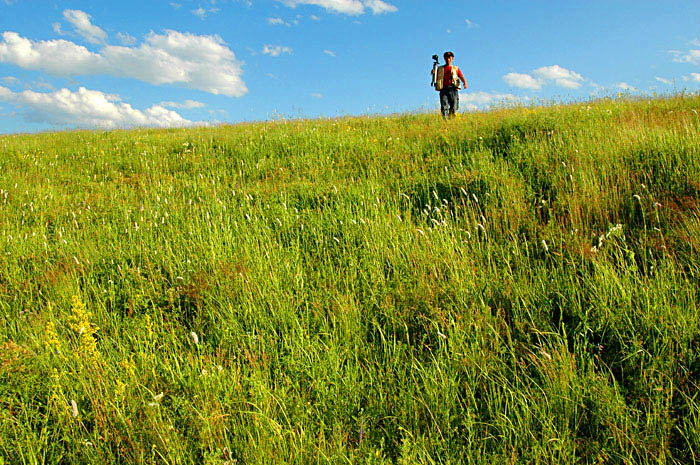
(79, 322)
(52, 341)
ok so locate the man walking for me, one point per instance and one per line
(447, 82)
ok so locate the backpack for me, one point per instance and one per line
(440, 78)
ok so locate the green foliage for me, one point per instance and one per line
(516, 286)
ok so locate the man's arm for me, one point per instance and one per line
(461, 77)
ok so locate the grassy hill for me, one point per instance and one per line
(515, 286)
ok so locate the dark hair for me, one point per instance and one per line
(448, 54)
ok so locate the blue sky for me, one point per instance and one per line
(176, 63)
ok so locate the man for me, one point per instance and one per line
(447, 82)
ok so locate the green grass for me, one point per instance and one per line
(515, 286)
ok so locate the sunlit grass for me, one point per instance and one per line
(513, 286)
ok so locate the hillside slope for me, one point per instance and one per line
(515, 286)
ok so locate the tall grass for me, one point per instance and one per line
(514, 286)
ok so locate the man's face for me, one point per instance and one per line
(448, 60)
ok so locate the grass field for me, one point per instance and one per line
(513, 286)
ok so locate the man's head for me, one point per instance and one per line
(448, 56)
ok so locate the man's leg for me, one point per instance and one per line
(444, 102)
(454, 102)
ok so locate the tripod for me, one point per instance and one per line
(436, 63)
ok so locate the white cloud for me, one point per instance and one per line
(668, 82)
(82, 25)
(57, 28)
(316, 95)
(186, 105)
(476, 100)
(10, 80)
(202, 13)
(88, 108)
(348, 7)
(281, 22)
(56, 57)
(470, 24)
(522, 81)
(197, 62)
(691, 56)
(329, 53)
(126, 38)
(625, 87)
(276, 50)
(554, 74)
(561, 76)
(315, 18)
(379, 7)
(695, 77)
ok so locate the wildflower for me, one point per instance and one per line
(86, 351)
(52, 341)
(74, 408)
(120, 390)
(195, 338)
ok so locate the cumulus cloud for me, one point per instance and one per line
(522, 81)
(348, 7)
(56, 57)
(126, 38)
(625, 87)
(88, 108)
(82, 25)
(186, 105)
(562, 77)
(476, 100)
(193, 61)
(554, 74)
(695, 77)
(276, 50)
